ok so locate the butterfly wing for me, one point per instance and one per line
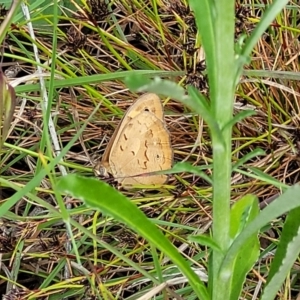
(148, 102)
(143, 146)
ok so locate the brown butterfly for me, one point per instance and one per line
(140, 145)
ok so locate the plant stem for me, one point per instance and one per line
(222, 107)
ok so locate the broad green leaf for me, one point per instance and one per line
(289, 200)
(106, 199)
(242, 213)
(287, 252)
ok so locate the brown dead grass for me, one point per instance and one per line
(275, 129)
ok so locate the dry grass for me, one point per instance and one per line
(33, 247)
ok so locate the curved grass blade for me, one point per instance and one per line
(106, 199)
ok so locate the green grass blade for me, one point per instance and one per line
(104, 198)
(62, 83)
